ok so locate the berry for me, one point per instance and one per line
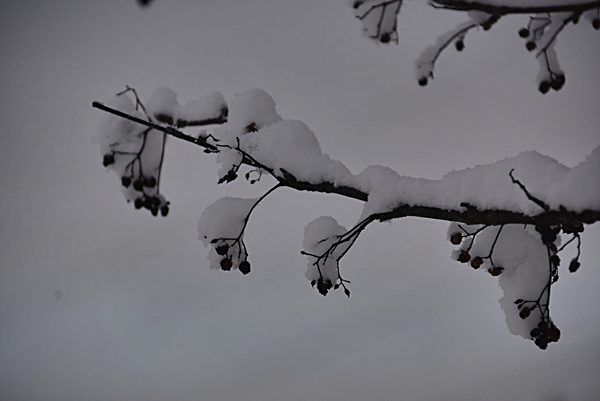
(138, 203)
(530, 45)
(164, 211)
(323, 286)
(147, 203)
(385, 37)
(542, 342)
(496, 271)
(525, 312)
(558, 81)
(155, 200)
(226, 264)
(456, 238)
(555, 260)
(544, 87)
(553, 334)
(423, 81)
(149, 182)
(574, 265)
(596, 23)
(154, 210)
(524, 32)
(222, 249)
(126, 181)
(464, 256)
(138, 185)
(460, 45)
(244, 267)
(476, 262)
(108, 159)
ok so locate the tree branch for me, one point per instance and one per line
(469, 215)
(465, 5)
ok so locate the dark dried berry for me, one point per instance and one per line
(323, 286)
(555, 260)
(226, 264)
(164, 211)
(456, 238)
(138, 185)
(596, 23)
(525, 312)
(244, 267)
(147, 203)
(222, 249)
(535, 333)
(544, 87)
(312, 283)
(251, 128)
(574, 265)
(496, 271)
(530, 45)
(126, 181)
(149, 182)
(519, 301)
(543, 326)
(476, 262)
(460, 45)
(108, 159)
(347, 292)
(464, 256)
(138, 203)
(524, 32)
(423, 81)
(542, 342)
(385, 37)
(553, 334)
(558, 82)
(154, 210)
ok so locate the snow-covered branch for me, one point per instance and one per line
(548, 18)
(506, 216)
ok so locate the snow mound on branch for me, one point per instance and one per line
(319, 235)
(292, 146)
(224, 220)
(489, 186)
(260, 132)
(124, 139)
(521, 253)
(254, 106)
(164, 101)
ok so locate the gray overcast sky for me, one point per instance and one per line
(141, 317)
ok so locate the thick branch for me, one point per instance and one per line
(468, 214)
(465, 5)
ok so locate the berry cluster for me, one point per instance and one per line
(227, 251)
(147, 186)
(464, 256)
(546, 331)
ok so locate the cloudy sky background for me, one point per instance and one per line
(141, 317)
